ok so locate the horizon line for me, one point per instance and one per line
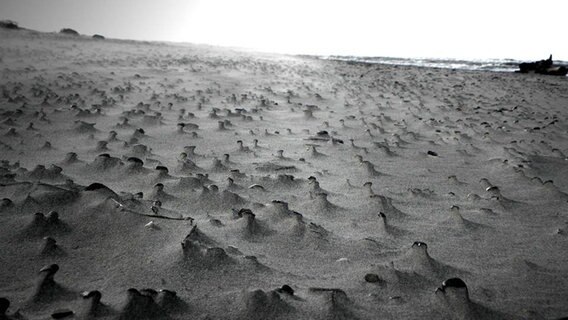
(260, 50)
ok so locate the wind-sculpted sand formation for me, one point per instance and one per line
(158, 181)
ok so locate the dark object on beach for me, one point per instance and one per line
(69, 31)
(9, 24)
(546, 67)
(98, 37)
(95, 186)
(432, 153)
(4, 305)
(286, 289)
(62, 314)
(557, 71)
(372, 278)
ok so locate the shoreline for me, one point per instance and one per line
(505, 65)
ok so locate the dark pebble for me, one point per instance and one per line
(287, 289)
(61, 314)
(371, 277)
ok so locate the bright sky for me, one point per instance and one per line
(530, 29)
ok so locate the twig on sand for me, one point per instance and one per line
(123, 208)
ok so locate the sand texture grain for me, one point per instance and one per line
(145, 180)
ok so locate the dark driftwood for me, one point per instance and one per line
(543, 67)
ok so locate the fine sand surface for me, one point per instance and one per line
(158, 181)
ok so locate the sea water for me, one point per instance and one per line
(498, 65)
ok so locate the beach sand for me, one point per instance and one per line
(145, 180)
